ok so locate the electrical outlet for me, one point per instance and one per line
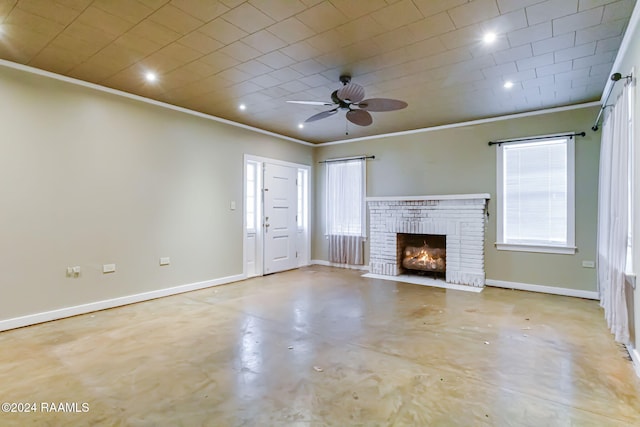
(588, 264)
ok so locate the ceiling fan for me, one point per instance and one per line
(352, 95)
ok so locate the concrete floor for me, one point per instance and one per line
(321, 346)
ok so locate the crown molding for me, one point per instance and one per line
(469, 123)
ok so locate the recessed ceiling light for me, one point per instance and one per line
(489, 37)
(242, 107)
(150, 77)
(508, 84)
(300, 126)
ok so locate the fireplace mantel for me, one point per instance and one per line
(485, 196)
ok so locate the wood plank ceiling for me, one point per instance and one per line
(212, 56)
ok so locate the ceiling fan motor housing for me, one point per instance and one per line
(345, 79)
(341, 104)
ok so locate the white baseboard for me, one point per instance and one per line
(543, 289)
(333, 264)
(635, 358)
(32, 319)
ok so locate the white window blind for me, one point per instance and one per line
(345, 193)
(536, 195)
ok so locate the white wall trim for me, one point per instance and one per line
(32, 319)
(543, 289)
(635, 358)
(469, 123)
(333, 264)
(123, 94)
(502, 244)
(546, 249)
(261, 159)
(259, 231)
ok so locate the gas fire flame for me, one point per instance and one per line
(424, 258)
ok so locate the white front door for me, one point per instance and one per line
(280, 225)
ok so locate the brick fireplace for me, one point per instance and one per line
(460, 218)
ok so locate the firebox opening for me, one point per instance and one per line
(423, 254)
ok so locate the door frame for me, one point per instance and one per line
(259, 246)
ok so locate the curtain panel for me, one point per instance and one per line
(345, 211)
(346, 249)
(613, 218)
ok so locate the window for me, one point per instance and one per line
(536, 195)
(345, 193)
(302, 216)
(252, 193)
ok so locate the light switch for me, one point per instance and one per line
(108, 268)
(233, 205)
(73, 271)
(165, 261)
(588, 264)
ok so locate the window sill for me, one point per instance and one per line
(565, 250)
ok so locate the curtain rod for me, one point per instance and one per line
(534, 138)
(346, 159)
(615, 77)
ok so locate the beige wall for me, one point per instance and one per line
(459, 160)
(88, 178)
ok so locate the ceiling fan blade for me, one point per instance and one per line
(310, 102)
(382, 104)
(359, 117)
(351, 92)
(322, 115)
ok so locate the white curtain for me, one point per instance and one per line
(613, 221)
(346, 249)
(345, 211)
